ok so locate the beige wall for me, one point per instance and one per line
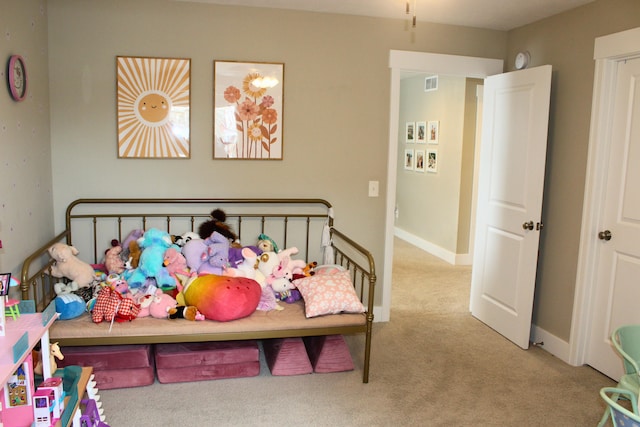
(336, 109)
(566, 41)
(25, 152)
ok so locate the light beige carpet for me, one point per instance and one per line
(433, 364)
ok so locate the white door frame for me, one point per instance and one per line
(451, 65)
(608, 51)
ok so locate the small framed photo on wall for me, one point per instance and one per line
(5, 282)
(408, 159)
(421, 132)
(432, 160)
(410, 132)
(419, 160)
(433, 131)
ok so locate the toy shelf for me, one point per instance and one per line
(15, 329)
(21, 335)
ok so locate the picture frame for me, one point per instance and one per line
(5, 282)
(421, 132)
(433, 131)
(419, 160)
(410, 132)
(248, 105)
(432, 160)
(153, 98)
(409, 160)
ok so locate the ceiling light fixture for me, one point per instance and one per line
(265, 82)
(408, 11)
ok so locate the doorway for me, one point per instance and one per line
(434, 190)
(399, 62)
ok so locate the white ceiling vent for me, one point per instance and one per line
(430, 83)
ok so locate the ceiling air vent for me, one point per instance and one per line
(430, 83)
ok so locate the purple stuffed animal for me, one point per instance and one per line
(209, 256)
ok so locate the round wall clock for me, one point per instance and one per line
(522, 60)
(17, 77)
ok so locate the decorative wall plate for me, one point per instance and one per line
(17, 77)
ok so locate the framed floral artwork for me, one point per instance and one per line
(153, 107)
(248, 100)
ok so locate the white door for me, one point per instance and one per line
(617, 294)
(508, 221)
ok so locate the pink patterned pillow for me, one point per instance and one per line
(329, 294)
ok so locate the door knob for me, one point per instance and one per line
(528, 225)
(604, 235)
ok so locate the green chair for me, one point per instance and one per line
(626, 341)
(12, 308)
(621, 416)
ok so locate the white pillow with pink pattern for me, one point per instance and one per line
(329, 294)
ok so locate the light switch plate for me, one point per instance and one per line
(373, 188)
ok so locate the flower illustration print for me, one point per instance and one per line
(232, 94)
(267, 101)
(248, 110)
(269, 116)
(253, 104)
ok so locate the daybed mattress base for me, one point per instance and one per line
(289, 322)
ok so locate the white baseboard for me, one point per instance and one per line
(549, 342)
(378, 314)
(435, 250)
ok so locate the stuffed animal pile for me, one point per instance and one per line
(194, 276)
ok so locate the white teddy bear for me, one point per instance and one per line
(69, 266)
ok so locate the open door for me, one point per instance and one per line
(509, 206)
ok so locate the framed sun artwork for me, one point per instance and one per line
(153, 106)
(248, 100)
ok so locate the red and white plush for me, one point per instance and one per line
(112, 305)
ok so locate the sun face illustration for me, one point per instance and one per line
(153, 107)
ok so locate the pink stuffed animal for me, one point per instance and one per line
(161, 304)
(112, 261)
(175, 262)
